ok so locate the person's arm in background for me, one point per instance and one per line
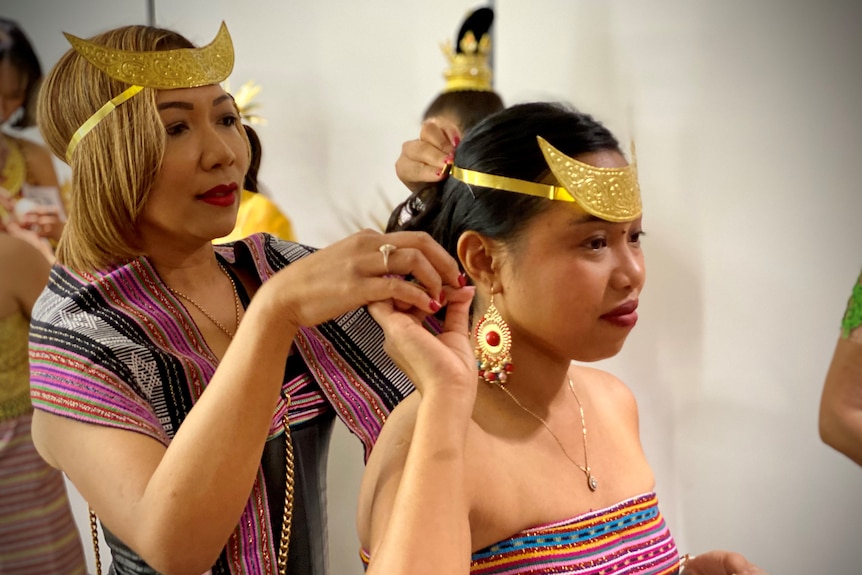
(45, 220)
(841, 402)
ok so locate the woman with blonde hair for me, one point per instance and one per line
(189, 390)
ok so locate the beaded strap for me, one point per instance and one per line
(853, 315)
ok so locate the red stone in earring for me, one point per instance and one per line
(493, 346)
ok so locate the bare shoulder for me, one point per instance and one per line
(386, 463)
(40, 163)
(31, 269)
(20, 255)
(608, 392)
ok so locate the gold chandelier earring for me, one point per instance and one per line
(493, 346)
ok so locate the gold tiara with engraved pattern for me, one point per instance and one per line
(160, 69)
(612, 194)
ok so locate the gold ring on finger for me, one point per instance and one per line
(387, 249)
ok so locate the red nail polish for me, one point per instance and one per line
(442, 298)
(434, 306)
(462, 279)
(457, 141)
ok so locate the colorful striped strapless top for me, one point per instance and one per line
(627, 538)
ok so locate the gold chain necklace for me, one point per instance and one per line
(236, 304)
(592, 483)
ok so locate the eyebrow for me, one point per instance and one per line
(189, 105)
(586, 219)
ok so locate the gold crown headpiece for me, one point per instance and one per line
(612, 194)
(161, 70)
(469, 67)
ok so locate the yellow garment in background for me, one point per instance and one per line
(257, 213)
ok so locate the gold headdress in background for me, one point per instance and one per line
(469, 58)
(612, 194)
(245, 101)
(162, 70)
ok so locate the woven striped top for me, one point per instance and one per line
(117, 348)
(625, 539)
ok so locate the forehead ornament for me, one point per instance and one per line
(612, 194)
(160, 70)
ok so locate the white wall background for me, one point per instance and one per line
(749, 143)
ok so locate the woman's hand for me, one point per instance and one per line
(426, 160)
(44, 221)
(721, 563)
(355, 272)
(444, 362)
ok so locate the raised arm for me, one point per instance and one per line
(177, 503)
(418, 521)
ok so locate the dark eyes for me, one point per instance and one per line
(599, 242)
(229, 120)
(175, 129)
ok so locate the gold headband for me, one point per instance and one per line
(161, 70)
(612, 194)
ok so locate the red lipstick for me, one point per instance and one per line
(222, 196)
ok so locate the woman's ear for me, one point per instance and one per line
(480, 257)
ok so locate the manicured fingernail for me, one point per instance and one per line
(442, 298)
(462, 279)
(434, 305)
(450, 158)
(456, 141)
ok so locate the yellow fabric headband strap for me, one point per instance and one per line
(511, 184)
(100, 114)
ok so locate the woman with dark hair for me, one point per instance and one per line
(20, 65)
(29, 189)
(37, 530)
(512, 458)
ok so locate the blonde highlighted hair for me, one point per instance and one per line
(116, 164)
